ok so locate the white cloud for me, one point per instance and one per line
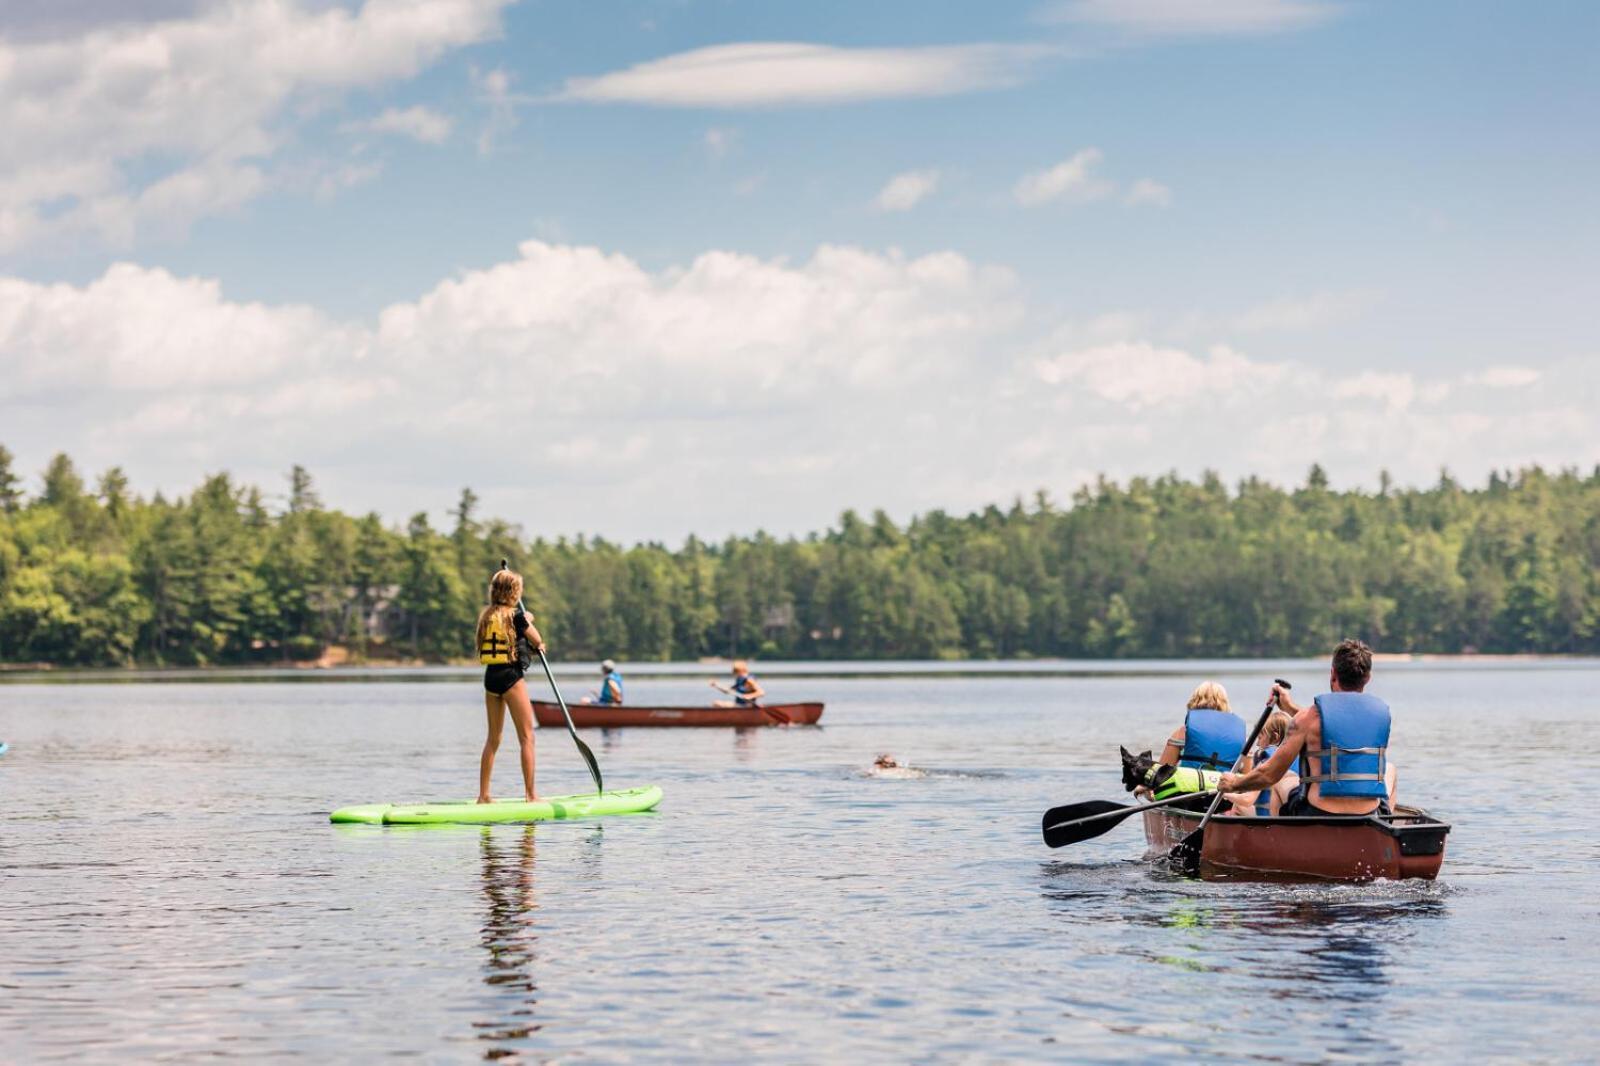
(1299, 313)
(780, 74)
(422, 124)
(907, 190)
(1194, 17)
(1505, 377)
(199, 104)
(1148, 192)
(1071, 179)
(494, 90)
(718, 140)
(849, 378)
(1394, 390)
(1137, 374)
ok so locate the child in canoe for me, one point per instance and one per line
(506, 641)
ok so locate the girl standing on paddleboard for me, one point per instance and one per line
(506, 640)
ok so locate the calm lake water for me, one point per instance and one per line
(170, 887)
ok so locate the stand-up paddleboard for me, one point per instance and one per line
(550, 809)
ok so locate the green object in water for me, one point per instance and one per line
(552, 808)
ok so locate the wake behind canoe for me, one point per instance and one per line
(613, 716)
(549, 809)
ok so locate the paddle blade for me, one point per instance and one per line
(594, 766)
(1185, 854)
(1077, 822)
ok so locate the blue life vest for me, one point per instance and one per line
(1212, 740)
(605, 688)
(1355, 744)
(1264, 801)
(744, 683)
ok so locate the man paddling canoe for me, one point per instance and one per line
(610, 692)
(1344, 736)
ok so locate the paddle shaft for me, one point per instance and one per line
(572, 731)
(1110, 818)
(1216, 801)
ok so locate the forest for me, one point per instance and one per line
(1156, 567)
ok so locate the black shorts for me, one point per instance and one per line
(501, 677)
(1295, 805)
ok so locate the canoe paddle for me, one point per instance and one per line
(583, 749)
(1187, 851)
(1077, 822)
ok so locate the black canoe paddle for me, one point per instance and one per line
(1186, 852)
(583, 749)
(1077, 822)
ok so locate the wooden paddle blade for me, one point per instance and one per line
(1077, 822)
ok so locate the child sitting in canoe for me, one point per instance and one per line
(1266, 802)
(506, 641)
(746, 692)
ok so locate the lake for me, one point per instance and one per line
(170, 887)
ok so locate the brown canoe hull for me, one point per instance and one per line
(1410, 843)
(595, 716)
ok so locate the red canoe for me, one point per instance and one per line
(1408, 843)
(611, 716)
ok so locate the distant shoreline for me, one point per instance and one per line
(577, 673)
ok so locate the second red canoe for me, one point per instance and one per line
(612, 716)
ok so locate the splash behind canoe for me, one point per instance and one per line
(596, 716)
(1408, 843)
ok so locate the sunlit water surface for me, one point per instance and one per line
(170, 886)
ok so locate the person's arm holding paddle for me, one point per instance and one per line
(1268, 773)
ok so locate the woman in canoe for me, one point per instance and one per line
(745, 690)
(506, 640)
(1211, 736)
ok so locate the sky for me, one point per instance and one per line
(653, 267)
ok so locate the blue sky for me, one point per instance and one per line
(1092, 235)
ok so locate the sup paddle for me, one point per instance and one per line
(1187, 851)
(1077, 822)
(583, 749)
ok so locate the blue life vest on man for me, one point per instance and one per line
(605, 688)
(1355, 744)
(743, 683)
(1212, 740)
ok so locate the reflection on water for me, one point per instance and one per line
(509, 937)
(1332, 946)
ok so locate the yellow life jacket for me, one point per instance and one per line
(498, 647)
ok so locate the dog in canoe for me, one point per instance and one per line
(1164, 782)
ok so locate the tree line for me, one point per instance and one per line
(1158, 567)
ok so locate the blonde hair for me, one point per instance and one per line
(740, 666)
(1276, 729)
(505, 589)
(1210, 696)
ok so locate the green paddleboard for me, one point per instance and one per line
(552, 808)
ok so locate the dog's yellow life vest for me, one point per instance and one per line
(1186, 779)
(498, 646)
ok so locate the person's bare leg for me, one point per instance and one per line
(1391, 781)
(522, 721)
(495, 706)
